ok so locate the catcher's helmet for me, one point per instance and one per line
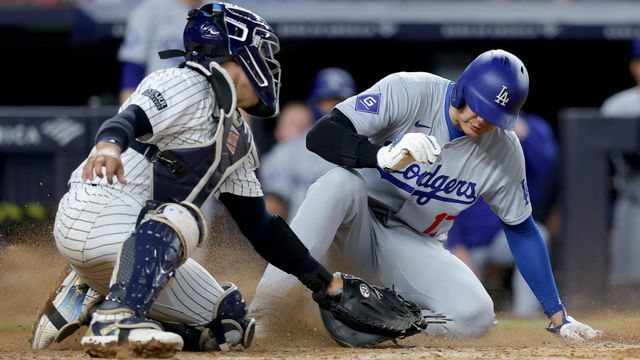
(495, 86)
(219, 32)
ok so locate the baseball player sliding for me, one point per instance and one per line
(176, 141)
(425, 148)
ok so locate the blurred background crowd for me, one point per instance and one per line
(68, 64)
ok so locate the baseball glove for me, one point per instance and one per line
(364, 315)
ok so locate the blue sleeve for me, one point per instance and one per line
(132, 75)
(530, 254)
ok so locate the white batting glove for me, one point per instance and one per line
(407, 149)
(574, 330)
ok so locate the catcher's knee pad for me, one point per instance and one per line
(67, 309)
(230, 325)
(149, 258)
(186, 220)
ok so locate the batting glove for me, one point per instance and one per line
(574, 330)
(407, 149)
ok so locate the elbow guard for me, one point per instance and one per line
(121, 129)
(335, 139)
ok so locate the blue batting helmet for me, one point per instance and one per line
(330, 83)
(495, 86)
(219, 32)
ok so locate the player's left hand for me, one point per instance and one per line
(107, 156)
(574, 330)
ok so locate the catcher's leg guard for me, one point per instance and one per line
(67, 308)
(148, 259)
(229, 328)
(146, 263)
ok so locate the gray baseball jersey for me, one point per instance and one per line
(428, 197)
(625, 242)
(389, 226)
(154, 25)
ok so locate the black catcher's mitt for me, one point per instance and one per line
(365, 315)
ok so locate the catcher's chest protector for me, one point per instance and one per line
(193, 173)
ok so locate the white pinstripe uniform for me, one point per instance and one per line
(95, 218)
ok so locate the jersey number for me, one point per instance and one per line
(439, 218)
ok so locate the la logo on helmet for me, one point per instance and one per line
(503, 96)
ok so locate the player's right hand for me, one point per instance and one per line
(407, 149)
(107, 156)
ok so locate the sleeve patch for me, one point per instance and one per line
(156, 97)
(368, 103)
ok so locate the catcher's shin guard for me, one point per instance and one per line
(148, 259)
(67, 308)
(229, 328)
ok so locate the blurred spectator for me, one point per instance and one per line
(477, 237)
(329, 88)
(288, 170)
(625, 236)
(154, 25)
(294, 121)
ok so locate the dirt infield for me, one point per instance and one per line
(27, 271)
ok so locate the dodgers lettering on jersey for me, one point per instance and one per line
(428, 197)
(431, 185)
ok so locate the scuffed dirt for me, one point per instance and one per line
(30, 265)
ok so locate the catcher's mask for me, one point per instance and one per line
(219, 32)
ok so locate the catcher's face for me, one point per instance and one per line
(246, 95)
(469, 122)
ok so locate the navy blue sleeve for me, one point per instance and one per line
(532, 259)
(127, 125)
(132, 75)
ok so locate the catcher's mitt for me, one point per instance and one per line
(365, 315)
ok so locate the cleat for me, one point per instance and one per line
(118, 332)
(67, 308)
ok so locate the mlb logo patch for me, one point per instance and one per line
(369, 103)
(156, 97)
